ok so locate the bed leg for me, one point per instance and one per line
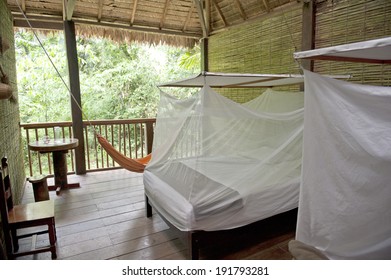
(148, 207)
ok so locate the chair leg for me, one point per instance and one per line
(15, 241)
(8, 244)
(52, 239)
(55, 231)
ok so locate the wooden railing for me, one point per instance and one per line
(132, 138)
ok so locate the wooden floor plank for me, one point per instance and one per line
(77, 248)
(123, 209)
(125, 248)
(134, 233)
(154, 252)
(179, 255)
(81, 236)
(105, 219)
(123, 217)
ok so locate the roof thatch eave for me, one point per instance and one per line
(115, 32)
(124, 34)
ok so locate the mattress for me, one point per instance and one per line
(196, 200)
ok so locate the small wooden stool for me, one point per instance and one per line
(40, 187)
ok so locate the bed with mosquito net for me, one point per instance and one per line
(218, 165)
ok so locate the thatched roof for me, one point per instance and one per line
(175, 22)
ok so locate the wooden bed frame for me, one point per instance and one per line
(260, 230)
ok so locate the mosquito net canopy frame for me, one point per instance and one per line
(371, 51)
(217, 164)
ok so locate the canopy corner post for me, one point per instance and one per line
(74, 81)
(308, 31)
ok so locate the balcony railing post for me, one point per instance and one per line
(149, 136)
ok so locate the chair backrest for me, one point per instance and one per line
(6, 202)
(26, 216)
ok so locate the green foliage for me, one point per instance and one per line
(39, 88)
(191, 59)
(117, 80)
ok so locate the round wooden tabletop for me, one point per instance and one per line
(53, 145)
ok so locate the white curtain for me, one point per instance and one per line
(345, 193)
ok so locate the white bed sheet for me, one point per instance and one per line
(244, 208)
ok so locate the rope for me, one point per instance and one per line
(55, 68)
(135, 165)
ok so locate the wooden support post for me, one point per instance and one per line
(74, 81)
(308, 32)
(204, 54)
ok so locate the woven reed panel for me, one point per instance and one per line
(10, 138)
(236, 12)
(344, 21)
(264, 46)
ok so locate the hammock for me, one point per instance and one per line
(134, 165)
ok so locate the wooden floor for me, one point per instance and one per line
(105, 219)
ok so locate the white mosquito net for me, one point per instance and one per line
(217, 164)
(345, 194)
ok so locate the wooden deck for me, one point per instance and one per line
(105, 219)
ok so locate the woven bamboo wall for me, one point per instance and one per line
(263, 46)
(267, 45)
(348, 21)
(10, 140)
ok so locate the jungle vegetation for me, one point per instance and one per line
(118, 80)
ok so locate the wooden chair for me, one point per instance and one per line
(25, 216)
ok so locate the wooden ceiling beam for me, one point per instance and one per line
(38, 24)
(166, 5)
(68, 8)
(201, 16)
(100, 7)
(266, 5)
(135, 3)
(220, 13)
(188, 17)
(241, 10)
(207, 14)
